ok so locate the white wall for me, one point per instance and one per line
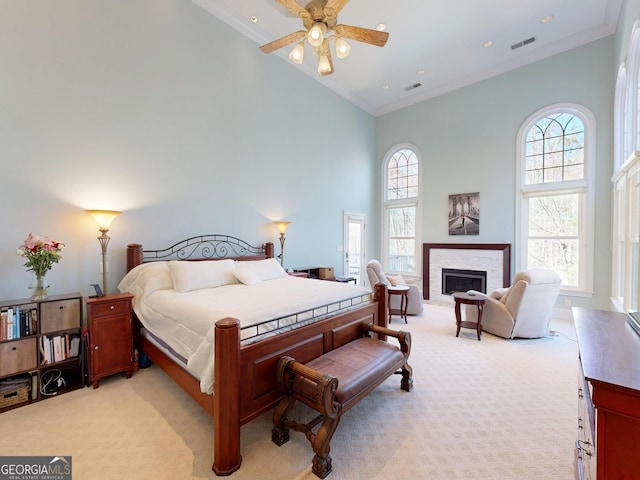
(156, 108)
(468, 142)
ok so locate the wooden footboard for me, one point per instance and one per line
(248, 388)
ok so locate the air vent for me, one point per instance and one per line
(523, 43)
(411, 87)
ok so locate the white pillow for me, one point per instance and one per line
(196, 275)
(146, 279)
(246, 275)
(267, 269)
(396, 279)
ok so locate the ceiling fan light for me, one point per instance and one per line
(323, 64)
(315, 37)
(297, 54)
(342, 48)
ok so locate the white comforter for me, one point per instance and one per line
(185, 320)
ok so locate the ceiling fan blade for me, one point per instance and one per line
(335, 5)
(295, 8)
(365, 35)
(283, 42)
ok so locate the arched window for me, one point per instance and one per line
(556, 148)
(401, 193)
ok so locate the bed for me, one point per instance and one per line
(240, 384)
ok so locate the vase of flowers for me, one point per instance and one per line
(41, 253)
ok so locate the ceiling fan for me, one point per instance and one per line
(320, 20)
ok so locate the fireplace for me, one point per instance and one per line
(492, 258)
(456, 280)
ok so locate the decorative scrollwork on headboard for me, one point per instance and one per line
(205, 247)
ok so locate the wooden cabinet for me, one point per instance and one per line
(43, 353)
(609, 396)
(110, 336)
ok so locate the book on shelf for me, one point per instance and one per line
(18, 321)
(3, 324)
(10, 322)
(58, 348)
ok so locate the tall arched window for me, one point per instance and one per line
(556, 148)
(400, 252)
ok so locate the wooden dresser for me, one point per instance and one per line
(608, 445)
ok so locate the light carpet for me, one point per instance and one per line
(494, 409)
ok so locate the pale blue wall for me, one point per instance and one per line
(468, 142)
(156, 108)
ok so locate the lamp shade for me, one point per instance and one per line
(323, 64)
(103, 217)
(316, 34)
(282, 226)
(342, 48)
(297, 54)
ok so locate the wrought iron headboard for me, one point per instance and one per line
(202, 247)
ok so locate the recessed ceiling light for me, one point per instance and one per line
(488, 43)
(546, 19)
(381, 27)
(253, 19)
(421, 72)
(385, 87)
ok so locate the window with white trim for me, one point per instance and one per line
(556, 149)
(401, 176)
(625, 252)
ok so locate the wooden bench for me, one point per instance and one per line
(334, 382)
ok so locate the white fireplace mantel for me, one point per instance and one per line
(494, 258)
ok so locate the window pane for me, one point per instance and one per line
(402, 222)
(574, 172)
(402, 242)
(402, 172)
(553, 144)
(402, 255)
(554, 216)
(559, 255)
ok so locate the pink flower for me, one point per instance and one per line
(40, 252)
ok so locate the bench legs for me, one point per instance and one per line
(323, 402)
(320, 441)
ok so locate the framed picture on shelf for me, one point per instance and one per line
(464, 214)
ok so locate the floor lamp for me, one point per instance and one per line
(104, 218)
(282, 227)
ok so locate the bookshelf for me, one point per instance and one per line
(41, 349)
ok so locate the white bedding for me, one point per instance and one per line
(185, 320)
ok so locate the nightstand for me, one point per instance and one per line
(110, 336)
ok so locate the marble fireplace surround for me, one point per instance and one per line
(494, 258)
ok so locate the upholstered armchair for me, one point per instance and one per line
(524, 309)
(415, 301)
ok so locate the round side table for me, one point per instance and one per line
(402, 291)
(469, 299)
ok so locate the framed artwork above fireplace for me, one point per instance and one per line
(464, 214)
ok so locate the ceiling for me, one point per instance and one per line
(438, 44)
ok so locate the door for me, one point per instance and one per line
(354, 246)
